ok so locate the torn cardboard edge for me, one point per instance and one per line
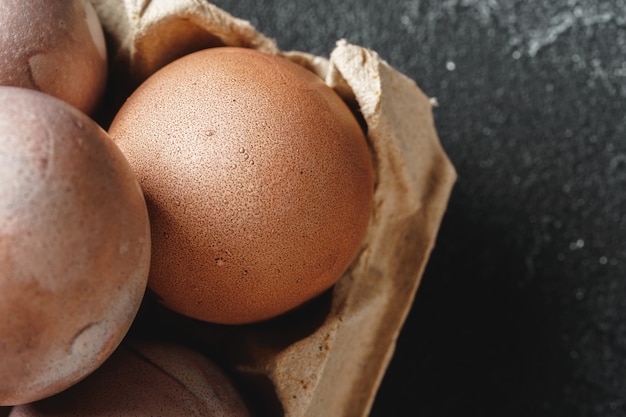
(335, 367)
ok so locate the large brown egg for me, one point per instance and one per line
(258, 180)
(57, 47)
(146, 379)
(74, 245)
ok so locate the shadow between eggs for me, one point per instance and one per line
(236, 347)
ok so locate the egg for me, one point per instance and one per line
(74, 245)
(57, 47)
(145, 379)
(258, 179)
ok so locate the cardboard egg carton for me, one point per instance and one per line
(327, 358)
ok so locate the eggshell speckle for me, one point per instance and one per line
(146, 379)
(258, 180)
(57, 47)
(74, 245)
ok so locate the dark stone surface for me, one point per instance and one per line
(522, 308)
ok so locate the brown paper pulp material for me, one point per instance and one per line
(334, 366)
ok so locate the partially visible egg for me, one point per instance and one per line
(57, 47)
(146, 379)
(74, 245)
(258, 179)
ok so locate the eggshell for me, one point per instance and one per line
(146, 379)
(74, 245)
(258, 179)
(57, 47)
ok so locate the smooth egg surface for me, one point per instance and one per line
(57, 47)
(74, 245)
(146, 379)
(258, 180)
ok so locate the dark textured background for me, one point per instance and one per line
(521, 310)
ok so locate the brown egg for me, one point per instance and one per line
(258, 180)
(144, 380)
(57, 47)
(74, 245)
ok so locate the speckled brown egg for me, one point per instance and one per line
(74, 245)
(57, 47)
(258, 180)
(146, 379)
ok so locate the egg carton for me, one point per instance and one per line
(327, 358)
